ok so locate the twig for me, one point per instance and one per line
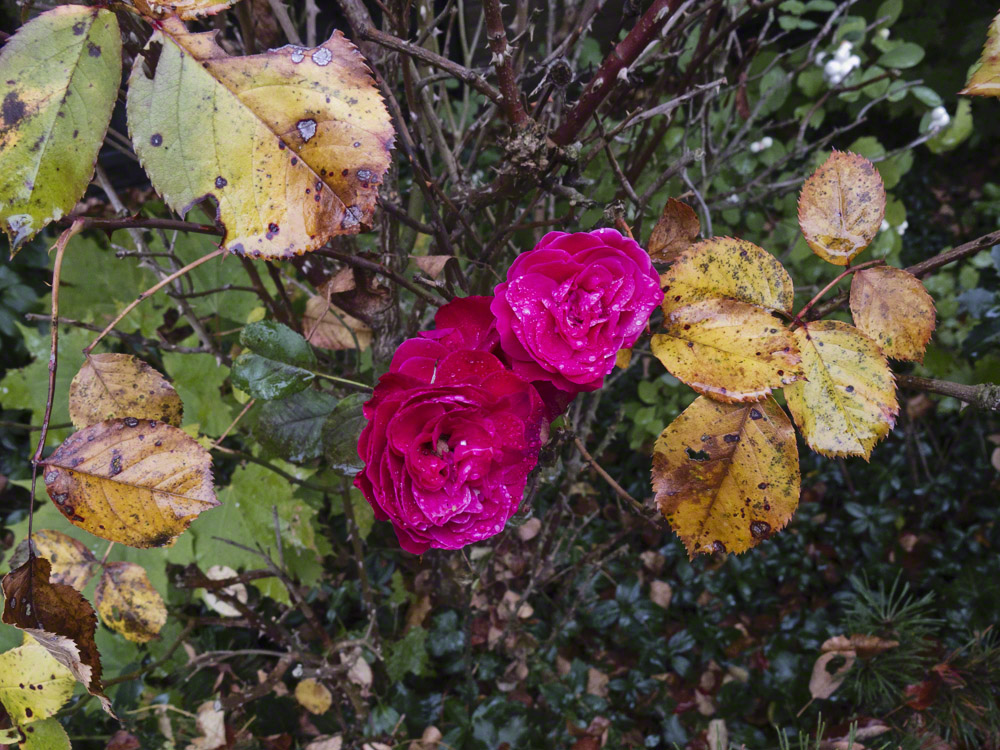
(140, 222)
(619, 490)
(359, 262)
(983, 396)
(822, 292)
(281, 13)
(133, 338)
(496, 35)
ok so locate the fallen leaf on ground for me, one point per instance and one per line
(313, 696)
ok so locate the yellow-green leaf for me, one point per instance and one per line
(728, 268)
(72, 563)
(128, 603)
(847, 402)
(33, 685)
(291, 144)
(62, 71)
(841, 207)
(131, 481)
(120, 385)
(313, 696)
(728, 350)
(45, 735)
(186, 9)
(891, 306)
(726, 476)
(985, 81)
(58, 617)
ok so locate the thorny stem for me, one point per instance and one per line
(149, 292)
(502, 54)
(36, 460)
(798, 320)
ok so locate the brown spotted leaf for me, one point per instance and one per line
(674, 233)
(727, 268)
(892, 307)
(841, 207)
(131, 481)
(985, 81)
(726, 476)
(72, 563)
(728, 350)
(128, 603)
(120, 385)
(291, 144)
(328, 327)
(58, 617)
(847, 402)
(33, 685)
(187, 9)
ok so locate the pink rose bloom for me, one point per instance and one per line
(451, 437)
(570, 304)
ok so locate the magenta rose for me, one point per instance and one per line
(451, 437)
(570, 304)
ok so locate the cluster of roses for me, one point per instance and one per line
(456, 425)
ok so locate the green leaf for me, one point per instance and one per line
(198, 379)
(293, 427)
(890, 9)
(341, 432)
(279, 363)
(45, 735)
(62, 71)
(927, 95)
(956, 131)
(407, 655)
(906, 55)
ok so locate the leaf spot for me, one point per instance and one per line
(306, 128)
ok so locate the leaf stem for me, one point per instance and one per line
(342, 381)
(797, 321)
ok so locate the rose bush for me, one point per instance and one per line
(451, 437)
(571, 303)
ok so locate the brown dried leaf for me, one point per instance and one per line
(134, 482)
(110, 386)
(674, 233)
(432, 265)
(823, 683)
(58, 617)
(867, 646)
(128, 603)
(841, 207)
(72, 563)
(726, 476)
(211, 722)
(893, 308)
(328, 327)
(188, 10)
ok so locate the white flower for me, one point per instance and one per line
(844, 51)
(766, 142)
(885, 225)
(820, 58)
(734, 198)
(884, 33)
(902, 228)
(939, 118)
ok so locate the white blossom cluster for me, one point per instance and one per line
(764, 143)
(939, 118)
(901, 229)
(840, 65)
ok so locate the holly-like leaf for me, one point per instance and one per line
(110, 386)
(45, 735)
(892, 307)
(131, 481)
(847, 402)
(187, 10)
(728, 350)
(293, 427)
(841, 207)
(291, 143)
(341, 432)
(33, 685)
(62, 71)
(726, 476)
(128, 603)
(72, 563)
(727, 268)
(985, 81)
(330, 328)
(674, 233)
(58, 617)
(280, 362)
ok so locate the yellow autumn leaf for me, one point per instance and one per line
(62, 71)
(728, 350)
(985, 80)
(727, 268)
(291, 144)
(186, 9)
(328, 327)
(847, 402)
(677, 228)
(45, 735)
(313, 696)
(131, 481)
(726, 476)
(120, 385)
(33, 685)
(128, 603)
(72, 563)
(841, 207)
(892, 307)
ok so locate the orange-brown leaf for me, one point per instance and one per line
(892, 307)
(841, 207)
(726, 476)
(674, 233)
(58, 617)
